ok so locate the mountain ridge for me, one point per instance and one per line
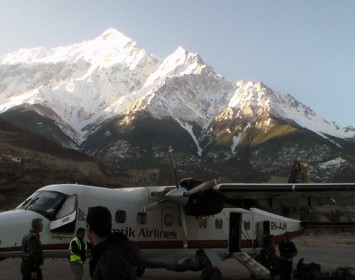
(101, 95)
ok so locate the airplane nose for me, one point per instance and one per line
(14, 225)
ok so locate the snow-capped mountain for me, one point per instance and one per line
(255, 99)
(83, 84)
(105, 93)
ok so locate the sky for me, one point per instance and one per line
(299, 47)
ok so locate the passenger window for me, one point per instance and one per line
(218, 223)
(202, 222)
(142, 218)
(120, 216)
(168, 220)
(246, 225)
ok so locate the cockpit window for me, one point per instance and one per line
(46, 203)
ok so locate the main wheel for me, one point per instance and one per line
(202, 258)
(140, 270)
(205, 275)
(211, 273)
(216, 274)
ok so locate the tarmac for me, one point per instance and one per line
(330, 252)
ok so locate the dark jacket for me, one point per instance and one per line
(33, 253)
(287, 250)
(114, 259)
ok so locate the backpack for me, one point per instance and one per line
(344, 273)
(305, 271)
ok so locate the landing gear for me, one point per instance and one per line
(140, 270)
(211, 273)
(202, 258)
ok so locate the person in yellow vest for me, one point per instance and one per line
(78, 250)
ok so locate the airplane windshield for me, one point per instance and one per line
(46, 203)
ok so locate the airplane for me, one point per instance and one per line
(191, 226)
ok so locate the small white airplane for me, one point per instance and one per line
(192, 226)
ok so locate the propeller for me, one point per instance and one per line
(180, 195)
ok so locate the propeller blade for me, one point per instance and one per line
(173, 163)
(154, 205)
(184, 226)
(202, 187)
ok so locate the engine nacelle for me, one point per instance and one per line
(188, 264)
(205, 204)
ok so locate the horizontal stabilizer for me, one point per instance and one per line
(327, 225)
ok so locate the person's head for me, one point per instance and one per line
(37, 225)
(287, 235)
(268, 239)
(80, 233)
(98, 223)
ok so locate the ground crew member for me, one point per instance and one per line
(78, 250)
(287, 251)
(32, 257)
(113, 256)
(268, 257)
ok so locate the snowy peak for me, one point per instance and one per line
(112, 35)
(179, 63)
(79, 82)
(186, 89)
(111, 47)
(250, 97)
(183, 62)
(255, 101)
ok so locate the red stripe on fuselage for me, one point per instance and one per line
(278, 238)
(169, 244)
(60, 246)
(179, 244)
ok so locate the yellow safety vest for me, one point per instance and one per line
(73, 256)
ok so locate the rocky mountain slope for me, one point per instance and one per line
(29, 161)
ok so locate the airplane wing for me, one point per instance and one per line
(286, 197)
(287, 190)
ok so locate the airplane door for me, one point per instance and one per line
(235, 232)
(262, 230)
(66, 217)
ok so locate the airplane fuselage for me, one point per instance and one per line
(63, 209)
